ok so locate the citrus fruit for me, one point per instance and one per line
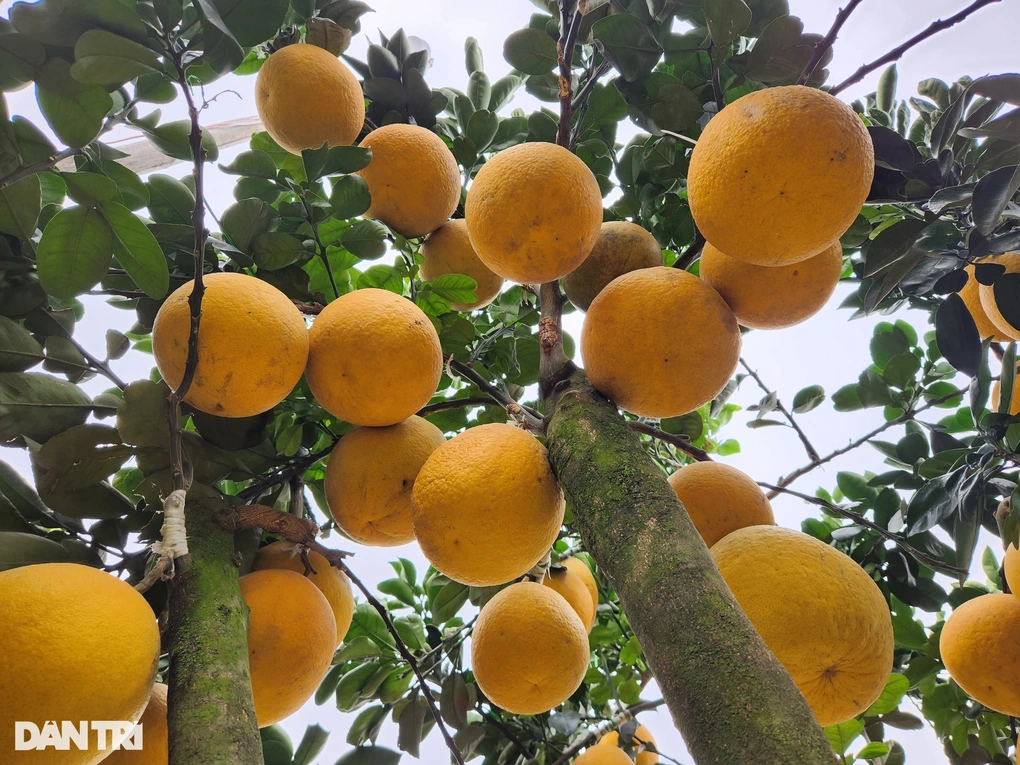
(818, 611)
(659, 342)
(291, 639)
(1011, 260)
(331, 582)
(996, 392)
(1011, 568)
(720, 499)
(529, 650)
(773, 297)
(622, 247)
(448, 250)
(568, 584)
(641, 737)
(980, 646)
(779, 174)
(373, 358)
(369, 478)
(580, 569)
(77, 644)
(252, 345)
(154, 749)
(487, 507)
(413, 179)
(306, 97)
(971, 295)
(604, 755)
(533, 212)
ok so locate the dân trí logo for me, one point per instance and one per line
(108, 734)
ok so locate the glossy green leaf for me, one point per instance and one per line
(75, 252)
(629, 44)
(276, 250)
(530, 51)
(18, 349)
(103, 58)
(21, 549)
(137, 250)
(73, 109)
(38, 406)
(20, 203)
(350, 196)
(726, 19)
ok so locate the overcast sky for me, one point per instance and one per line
(828, 350)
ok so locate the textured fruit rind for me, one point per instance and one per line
(1011, 261)
(448, 250)
(622, 247)
(720, 499)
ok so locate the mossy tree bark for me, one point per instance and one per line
(211, 714)
(729, 696)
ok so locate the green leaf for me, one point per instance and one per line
(383, 278)
(726, 19)
(677, 108)
(170, 201)
(18, 349)
(369, 623)
(411, 629)
(503, 90)
(275, 250)
(277, 748)
(137, 250)
(957, 336)
(990, 565)
(244, 221)
(370, 755)
(20, 203)
(338, 159)
(327, 34)
(249, 22)
(63, 357)
(20, 56)
(38, 406)
(448, 601)
(362, 647)
(74, 110)
(141, 417)
(530, 51)
(256, 164)
(21, 549)
(366, 239)
(81, 456)
(173, 139)
(991, 195)
(842, 736)
(629, 45)
(350, 196)
(896, 688)
(89, 188)
(873, 750)
(457, 288)
(62, 22)
(312, 743)
(103, 58)
(808, 398)
(779, 54)
(75, 252)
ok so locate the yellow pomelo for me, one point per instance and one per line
(369, 479)
(622, 247)
(720, 499)
(1011, 568)
(642, 736)
(306, 97)
(580, 569)
(773, 297)
(972, 299)
(487, 507)
(980, 646)
(332, 582)
(529, 650)
(574, 590)
(1014, 400)
(448, 250)
(76, 644)
(154, 749)
(252, 345)
(818, 611)
(534, 212)
(373, 358)
(779, 174)
(1011, 260)
(291, 639)
(660, 342)
(413, 178)
(604, 755)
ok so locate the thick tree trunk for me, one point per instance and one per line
(211, 713)
(729, 696)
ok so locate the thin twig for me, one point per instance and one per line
(823, 45)
(678, 441)
(454, 403)
(896, 53)
(505, 731)
(528, 417)
(320, 248)
(717, 90)
(285, 474)
(905, 417)
(591, 737)
(860, 520)
(100, 366)
(812, 453)
(589, 85)
(693, 251)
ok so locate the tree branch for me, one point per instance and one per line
(99, 366)
(896, 53)
(285, 474)
(592, 737)
(688, 256)
(812, 453)
(717, 89)
(522, 414)
(823, 45)
(679, 442)
(453, 403)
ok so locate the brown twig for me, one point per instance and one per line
(860, 520)
(520, 413)
(823, 45)
(717, 89)
(453, 403)
(693, 251)
(896, 53)
(570, 25)
(679, 442)
(812, 453)
(101, 367)
(592, 737)
(285, 474)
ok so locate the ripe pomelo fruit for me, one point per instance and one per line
(622, 247)
(413, 179)
(773, 297)
(580, 569)
(971, 295)
(980, 646)
(1011, 568)
(448, 250)
(573, 588)
(533, 212)
(779, 174)
(77, 644)
(487, 507)
(818, 611)
(604, 755)
(252, 345)
(306, 97)
(373, 358)
(659, 342)
(1011, 260)
(641, 737)
(720, 499)
(332, 582)
(529, 650)
(369, 478)
(291, 639)
(155, 740)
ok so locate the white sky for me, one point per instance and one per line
(827, 350)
